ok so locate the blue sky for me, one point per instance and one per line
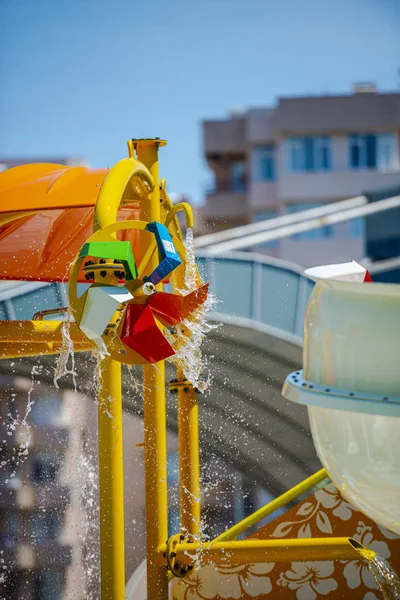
(81, 77)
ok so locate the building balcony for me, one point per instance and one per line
(228, 205)
(264, 195)
(225, 137)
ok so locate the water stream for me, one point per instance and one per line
(386, 577)
(87, 472)
(67, 352)
(192, 331)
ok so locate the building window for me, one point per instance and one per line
(357, 228)
(327, 231)
(264, 163)
(48, 585)
(46, 527)
(373, 151)
(263, 216)
(308, 154)
(11, 529)
(45, 468)
(295, 155)
(238, 176)
(362, 151)
(322, 153)
(387, 152)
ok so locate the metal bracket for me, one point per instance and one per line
(297, 389)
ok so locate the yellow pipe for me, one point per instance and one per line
(188, 412)
(123, 173)
(188, 424)
(189, 460)
(111, 481)
(146, 259)
(265, 511)
(182, 206)
(254, 551)
(39, 331)
(22, 350)
(166, 207)
(110, 442)
(366, 553)
(155, 436)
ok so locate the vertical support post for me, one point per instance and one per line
(189, 461)
(111, 481)
(155, 434)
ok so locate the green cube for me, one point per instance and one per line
(113, 250)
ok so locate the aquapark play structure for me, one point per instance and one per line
(117, 231)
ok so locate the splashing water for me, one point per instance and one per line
(387, 579)
(90, 524)
(86, 468)
(191, 270)
(21, 451)
(67, 350)
(10, 466)
(189, 335)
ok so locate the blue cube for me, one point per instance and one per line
(168, 256)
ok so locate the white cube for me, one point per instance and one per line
(100, 306)
(350, 271)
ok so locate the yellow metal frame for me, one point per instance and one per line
(185, 550)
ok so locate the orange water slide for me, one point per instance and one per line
(46, 214)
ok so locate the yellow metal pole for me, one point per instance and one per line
(110, 441)
(189, 460)
(254, 551)
(155, 434)
(259, 515)
(111, 482)
(188, 411)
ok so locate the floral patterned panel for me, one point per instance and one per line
(323, 514)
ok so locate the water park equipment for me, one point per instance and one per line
(351, 385)
(59, 208)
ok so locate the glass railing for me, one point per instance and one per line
(258, 290)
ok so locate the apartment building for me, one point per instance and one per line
(297, 155)
(42, 520)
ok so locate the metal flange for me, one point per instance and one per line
(176, 569)
(297, 389)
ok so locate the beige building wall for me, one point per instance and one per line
(263, 196)
(42, 451)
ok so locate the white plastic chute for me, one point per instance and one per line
(351, 385)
